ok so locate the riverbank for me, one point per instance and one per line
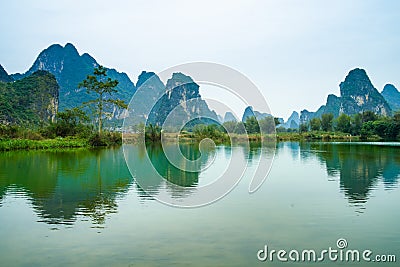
(94, 140)
(323, 136)
(114, 139)
(185, 137)
(57, 143)
(280, 136)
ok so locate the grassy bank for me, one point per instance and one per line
(110, 139)
(322, 136)
(94, 140)
(186, 137)
(17, 144)
(222, 138)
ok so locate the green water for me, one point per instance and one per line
(83, 208)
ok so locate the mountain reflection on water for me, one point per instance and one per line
(64, 185)
(358, 166)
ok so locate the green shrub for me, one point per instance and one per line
(105, 139)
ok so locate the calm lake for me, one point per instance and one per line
(83, 207)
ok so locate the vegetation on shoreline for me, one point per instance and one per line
(320, 136)
(365, 126)
(18, 137)
(18, 144)
(72, 127)
(72, 130)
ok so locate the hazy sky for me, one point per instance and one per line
(296, 52)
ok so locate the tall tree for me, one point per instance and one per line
(102, 86)
(315, 124)
(368, 115)
(396, 116)
(268, 124)
(70, 122)
(326, 122)
(303, 127)
(230, 126)
(252, 125)
(343, 123)
(356, 124)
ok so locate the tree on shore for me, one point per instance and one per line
(326, 122)
(71, 122)
(343, 123)
(315, 124)
(103, 87)
(252, 125)
(303, 127)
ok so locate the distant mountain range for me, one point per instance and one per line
(392, 96)
(293, 121)
(357, 94)
(249, 112)
(183, 99)
(180, 97)
(69, 68)
(229, 117)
